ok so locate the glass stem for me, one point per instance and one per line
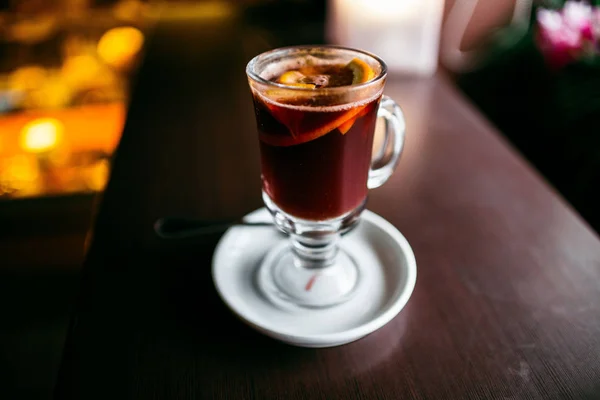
(315, 252)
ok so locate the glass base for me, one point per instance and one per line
(283, 282)
(310, 270)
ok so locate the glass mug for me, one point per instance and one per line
(317, 166)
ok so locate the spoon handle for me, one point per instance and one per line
(179, 227)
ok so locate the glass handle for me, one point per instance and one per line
(395, 131)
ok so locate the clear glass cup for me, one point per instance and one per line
(317, 166)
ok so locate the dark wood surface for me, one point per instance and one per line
(42, 244)
(507, 301)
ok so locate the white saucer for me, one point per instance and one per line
(387, 281)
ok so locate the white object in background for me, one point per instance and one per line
(404, 33)
(457, 21)
(389, 274)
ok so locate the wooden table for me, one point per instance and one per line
(507, 301)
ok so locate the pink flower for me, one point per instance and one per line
(596, 23)
(549, 19)
(557, 40)
(578, 17)
(565, 35)
(556, 31)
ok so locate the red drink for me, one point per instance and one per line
(316, 109)
(316, 157)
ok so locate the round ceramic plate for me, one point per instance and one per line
(388, 276)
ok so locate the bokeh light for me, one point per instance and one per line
(28, 77)
(97, 175)
(119, 46)
(64, 90)
(80, 70)
(19, 173)
(41, 135)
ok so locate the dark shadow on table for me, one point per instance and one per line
(35, 305)
(174, 324)
(41, 250)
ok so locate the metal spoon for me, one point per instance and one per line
(181, 228)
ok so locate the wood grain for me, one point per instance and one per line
(507, 297)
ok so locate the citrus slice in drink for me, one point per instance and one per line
(361, 71)
(294, 78)
(345, 127)
(291, 77)
(292, 119)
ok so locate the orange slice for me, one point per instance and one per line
(294, 78)
(361, 71)
(345, 127)
(291, 77)
(299, 138)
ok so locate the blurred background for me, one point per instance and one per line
(65, 73)
(65, 69)
(68, 67)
